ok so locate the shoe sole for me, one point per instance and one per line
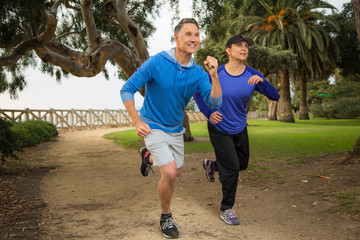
(142, 162)
(167, 236)
(206, 173)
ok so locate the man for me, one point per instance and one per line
(170, 79)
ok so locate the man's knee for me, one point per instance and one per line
(170, 171)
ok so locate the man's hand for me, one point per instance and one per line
(255, 80)
(142, 129)
(215, 117)
(211, 65)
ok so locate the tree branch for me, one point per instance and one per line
(117, 10)
(82, 65)
(36, 42)
(93, 36)
(66, 34)
(356, 7)
(67, 5)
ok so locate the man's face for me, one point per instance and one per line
(188, 39)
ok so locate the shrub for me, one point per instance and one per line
(342, 108)
(8, 141)
(33, 132)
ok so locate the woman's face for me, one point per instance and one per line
(238, 51)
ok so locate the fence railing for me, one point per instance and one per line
(90, 118)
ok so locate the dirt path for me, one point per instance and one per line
(97, 192)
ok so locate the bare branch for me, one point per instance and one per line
(356, 7)
(82, 65)
(117, 9)
(93, 36)
(66, 34)
(67, 5)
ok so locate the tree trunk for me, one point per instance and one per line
(187, 135)
(353, 155)
(304, 111)
(356, 7)
(286, 114)
(272, 113)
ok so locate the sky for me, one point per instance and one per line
(43, 92)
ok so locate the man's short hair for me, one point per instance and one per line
(179, 26)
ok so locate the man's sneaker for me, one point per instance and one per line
(145, 165)
(229, 217)
(169, 228)
(209, 172)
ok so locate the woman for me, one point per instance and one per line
(227, 125)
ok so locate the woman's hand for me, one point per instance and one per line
(215, 117)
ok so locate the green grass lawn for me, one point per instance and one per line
(272, 139)
(272, 142)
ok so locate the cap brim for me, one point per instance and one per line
(249, 41)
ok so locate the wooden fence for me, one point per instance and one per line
(91, 118)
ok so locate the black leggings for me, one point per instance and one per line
(232, 156)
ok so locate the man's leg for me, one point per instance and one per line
(169, 173)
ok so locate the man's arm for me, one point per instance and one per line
(211, 65)
(142, 129)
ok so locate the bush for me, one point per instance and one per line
(342, 108)
(33, 132)
(8, 140)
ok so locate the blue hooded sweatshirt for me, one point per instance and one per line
(168, 88)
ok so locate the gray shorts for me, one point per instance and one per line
(166, 147)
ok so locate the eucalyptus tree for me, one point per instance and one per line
(76, 37)
(299, 26)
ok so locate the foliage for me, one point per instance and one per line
(266, 60)
(8, 141)
(258, 103)
(346, 40)
(270, 139)
(33, 132)
(343, 102)
(300, 26)
(315, 88)
(24, 20)
(191, 105)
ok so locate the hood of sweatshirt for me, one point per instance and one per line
(170, 56)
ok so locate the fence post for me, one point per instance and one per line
(106, 121)
(90, 118)
(51, 117)
(120, 123)
(72, 115)
(27, 114)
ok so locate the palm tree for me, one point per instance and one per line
(298, 26)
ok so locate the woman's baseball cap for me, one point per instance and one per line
(238, 38)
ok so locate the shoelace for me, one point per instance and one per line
(168, 223)
(148, 168)
(229, 213)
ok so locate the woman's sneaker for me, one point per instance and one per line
(169, 228)
(209, 172)
(145, 165)
(229, 217)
